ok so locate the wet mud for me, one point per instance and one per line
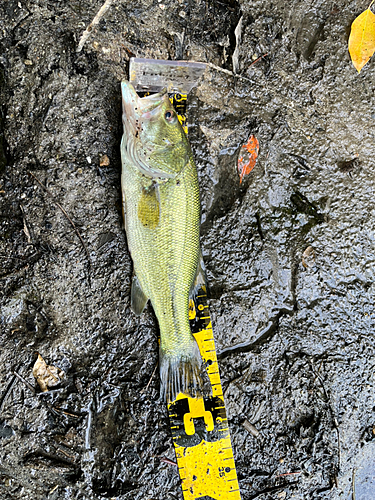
(289, 252)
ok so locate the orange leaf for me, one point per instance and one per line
(362, 39)
(248, 157)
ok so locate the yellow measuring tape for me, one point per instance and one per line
(199, 425)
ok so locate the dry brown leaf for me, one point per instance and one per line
(362, 39)
(46, 375)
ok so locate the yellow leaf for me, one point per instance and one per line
(362, 39)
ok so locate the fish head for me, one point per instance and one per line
(154, 140)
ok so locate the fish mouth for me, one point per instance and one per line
(135, 106)
(136, 111)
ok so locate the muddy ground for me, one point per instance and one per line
(293, 327)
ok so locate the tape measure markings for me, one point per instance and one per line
(200, 427)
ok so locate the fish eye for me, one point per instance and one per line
(170, 116)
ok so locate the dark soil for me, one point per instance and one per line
(294, 328)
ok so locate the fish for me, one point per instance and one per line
(161, 207)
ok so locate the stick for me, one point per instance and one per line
(66, 215)
(25, 382)
(288, 474)
(335, 422)
(62, 410)
(168, 461)
(149, 382)
(227, 72)
(25, 226)
(11, 257)
(7, 393)
(51, 456)
(103, 9)
(9, 275)
(65, 453)
(260, 57)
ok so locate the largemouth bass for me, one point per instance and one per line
(162, 217)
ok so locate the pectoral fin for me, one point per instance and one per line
(138, 297)
(149, 207)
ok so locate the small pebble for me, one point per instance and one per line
(104, 161)
(308, 257)
(251, 428)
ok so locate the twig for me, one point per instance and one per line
(223, 70)
(62, 410)
(251, 428)
(259, 58)
(288, 474)
(11, 257)
(338, 442)
(25, 226)
(53, 489)
(227, 72)
(149, 382)
(353, 483)
(316, 376)
(103, 9)
(88, 426)
(13, 273)
(168, 461)
(66, 215)
(7, 393)
(335, 422)
(25, 382)
(49, 392)
(271, 489)
(66, 454)
(51, 456)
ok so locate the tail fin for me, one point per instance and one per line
(183, 373)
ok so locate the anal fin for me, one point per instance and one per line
(199, 279)
(138, 297)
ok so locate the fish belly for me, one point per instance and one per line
(162, 227)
